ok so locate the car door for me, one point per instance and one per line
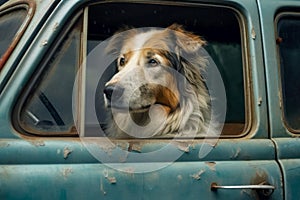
(52, 145)
(280, 22)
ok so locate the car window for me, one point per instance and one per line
(49, 105)
(48, 108)
(226, 49)
(288, 29)
(10, 26)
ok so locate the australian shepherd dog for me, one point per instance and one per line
(159, 89)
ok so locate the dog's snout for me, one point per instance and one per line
(112, 91)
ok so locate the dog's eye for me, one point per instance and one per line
(122, 61)
(153, 62)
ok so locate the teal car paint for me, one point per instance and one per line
(263, 155)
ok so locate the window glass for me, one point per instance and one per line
(10, 23)
(289, 51)
(48, 109)
(219, 26)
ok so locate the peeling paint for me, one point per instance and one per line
(123, 145)
(253, 33)
(197, 176)
(129, 170)
(44, 43)
(211, 165)
(111, 179)
(67, 152)
(237, 153)
(183, 146)
(4, 144)
(37, 143)
(107, 147)
(66, 172)
(179, 177)
(56, 25)
(123, 157)
(137, 147)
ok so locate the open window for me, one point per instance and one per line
(220, 26)
(48, 106)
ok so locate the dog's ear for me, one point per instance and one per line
(186, 41)
(116, 42)
(188, 48)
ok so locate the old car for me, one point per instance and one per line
(51, 103)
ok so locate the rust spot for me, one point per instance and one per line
(259, 102)
(137, 147)
(111, 179)
(211, 165)
(279, 40)
(260, 177)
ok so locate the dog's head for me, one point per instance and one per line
(148, 66)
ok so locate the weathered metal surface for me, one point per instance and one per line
(53, 151)
(288, 148)
(291, 174)
(95, 181)
(289, 159)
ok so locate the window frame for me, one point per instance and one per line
(17, 122)
(30, 7)
(248, 96)
(278, 17)
(249, 110)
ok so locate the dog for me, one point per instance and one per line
(158, 89)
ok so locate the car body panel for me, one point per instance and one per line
(188, 180)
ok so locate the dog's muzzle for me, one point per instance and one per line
(113, 92)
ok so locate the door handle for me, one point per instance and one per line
(263, 188)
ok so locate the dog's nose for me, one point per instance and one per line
(113, 91)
